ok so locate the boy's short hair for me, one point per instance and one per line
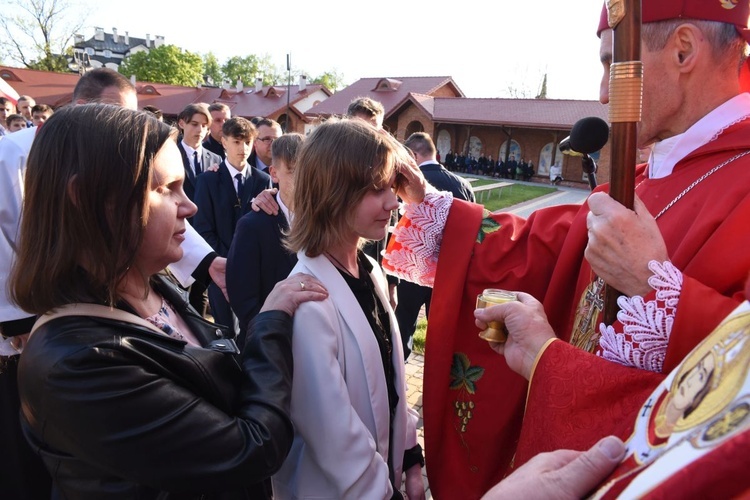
(240, 128)
(42, 108)
(285, 148)
(268, 122)
(364, 106)
(218, 106)
(196, 108)
(154, 111)
(91, 85)
(15, 117)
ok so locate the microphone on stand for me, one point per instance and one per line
(588, 135)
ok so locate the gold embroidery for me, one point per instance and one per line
(585, 335)
(463, 379)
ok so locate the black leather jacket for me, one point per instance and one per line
(118, 411)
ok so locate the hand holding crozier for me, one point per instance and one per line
(527, 327)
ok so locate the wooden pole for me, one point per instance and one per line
(625, 95)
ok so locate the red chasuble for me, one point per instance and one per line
(687, 434)
(473, 404)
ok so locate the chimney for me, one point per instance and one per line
(127, 39)
(259, 84)
(158, 41)
(132, 80)
(239, 86)
(302, 82)
(99, 34)
(115, 38)
(148, 40)
(78, 39)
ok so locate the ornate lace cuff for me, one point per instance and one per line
(646, 324)
(413, 250)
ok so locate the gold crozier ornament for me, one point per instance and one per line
(585, 335)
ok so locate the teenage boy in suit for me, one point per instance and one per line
(223, 196)
(257, 259)
(194, 121)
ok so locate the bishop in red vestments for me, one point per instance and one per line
(692, 209)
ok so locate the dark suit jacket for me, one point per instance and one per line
(255, 263)
(219, 208)
(445, 180)
(208, 159)
(214, 146)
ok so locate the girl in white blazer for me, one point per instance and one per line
(355, 434)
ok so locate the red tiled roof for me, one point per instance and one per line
(391, 99)
(53, 89)
(56, 89)
(528, 113)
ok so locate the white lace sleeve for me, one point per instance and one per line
(418, 237)
(646, 325)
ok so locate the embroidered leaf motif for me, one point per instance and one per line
(463, 375)
(489, 225)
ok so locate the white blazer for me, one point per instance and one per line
(340, 398)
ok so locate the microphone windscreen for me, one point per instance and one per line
(589, 135)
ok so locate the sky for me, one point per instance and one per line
(491, 49)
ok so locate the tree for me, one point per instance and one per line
(330, 79)
(39, 32)
(249, 68)
(165, 64)
(211, 69)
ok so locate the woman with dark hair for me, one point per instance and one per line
(126, 391)
(355, 434)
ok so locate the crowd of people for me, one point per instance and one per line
(116, 382)
(484, 165)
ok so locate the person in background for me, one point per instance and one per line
(154, 111)
(14, 123)
(220, 113)
(257, 259)
(7, 108)
(24, 105)
(40, 113)
(268, 131)
(223, 197)
(123, 385)
(412, 296)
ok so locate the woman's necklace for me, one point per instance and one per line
(339, 264)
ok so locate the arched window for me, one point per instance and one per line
(415, 126)
(443, 143)
(545, 159)
(515, 151)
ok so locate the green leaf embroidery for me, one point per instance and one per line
(489, 225)
(463, 375)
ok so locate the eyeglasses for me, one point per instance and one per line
(267, 139)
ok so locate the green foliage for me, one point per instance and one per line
(420, 336)
(212, 74)
(50, 62)
(36, 33)
(511, 195)
(249, 68)
(165, 64)
(330, 79)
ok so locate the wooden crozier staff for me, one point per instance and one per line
(625, 95)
